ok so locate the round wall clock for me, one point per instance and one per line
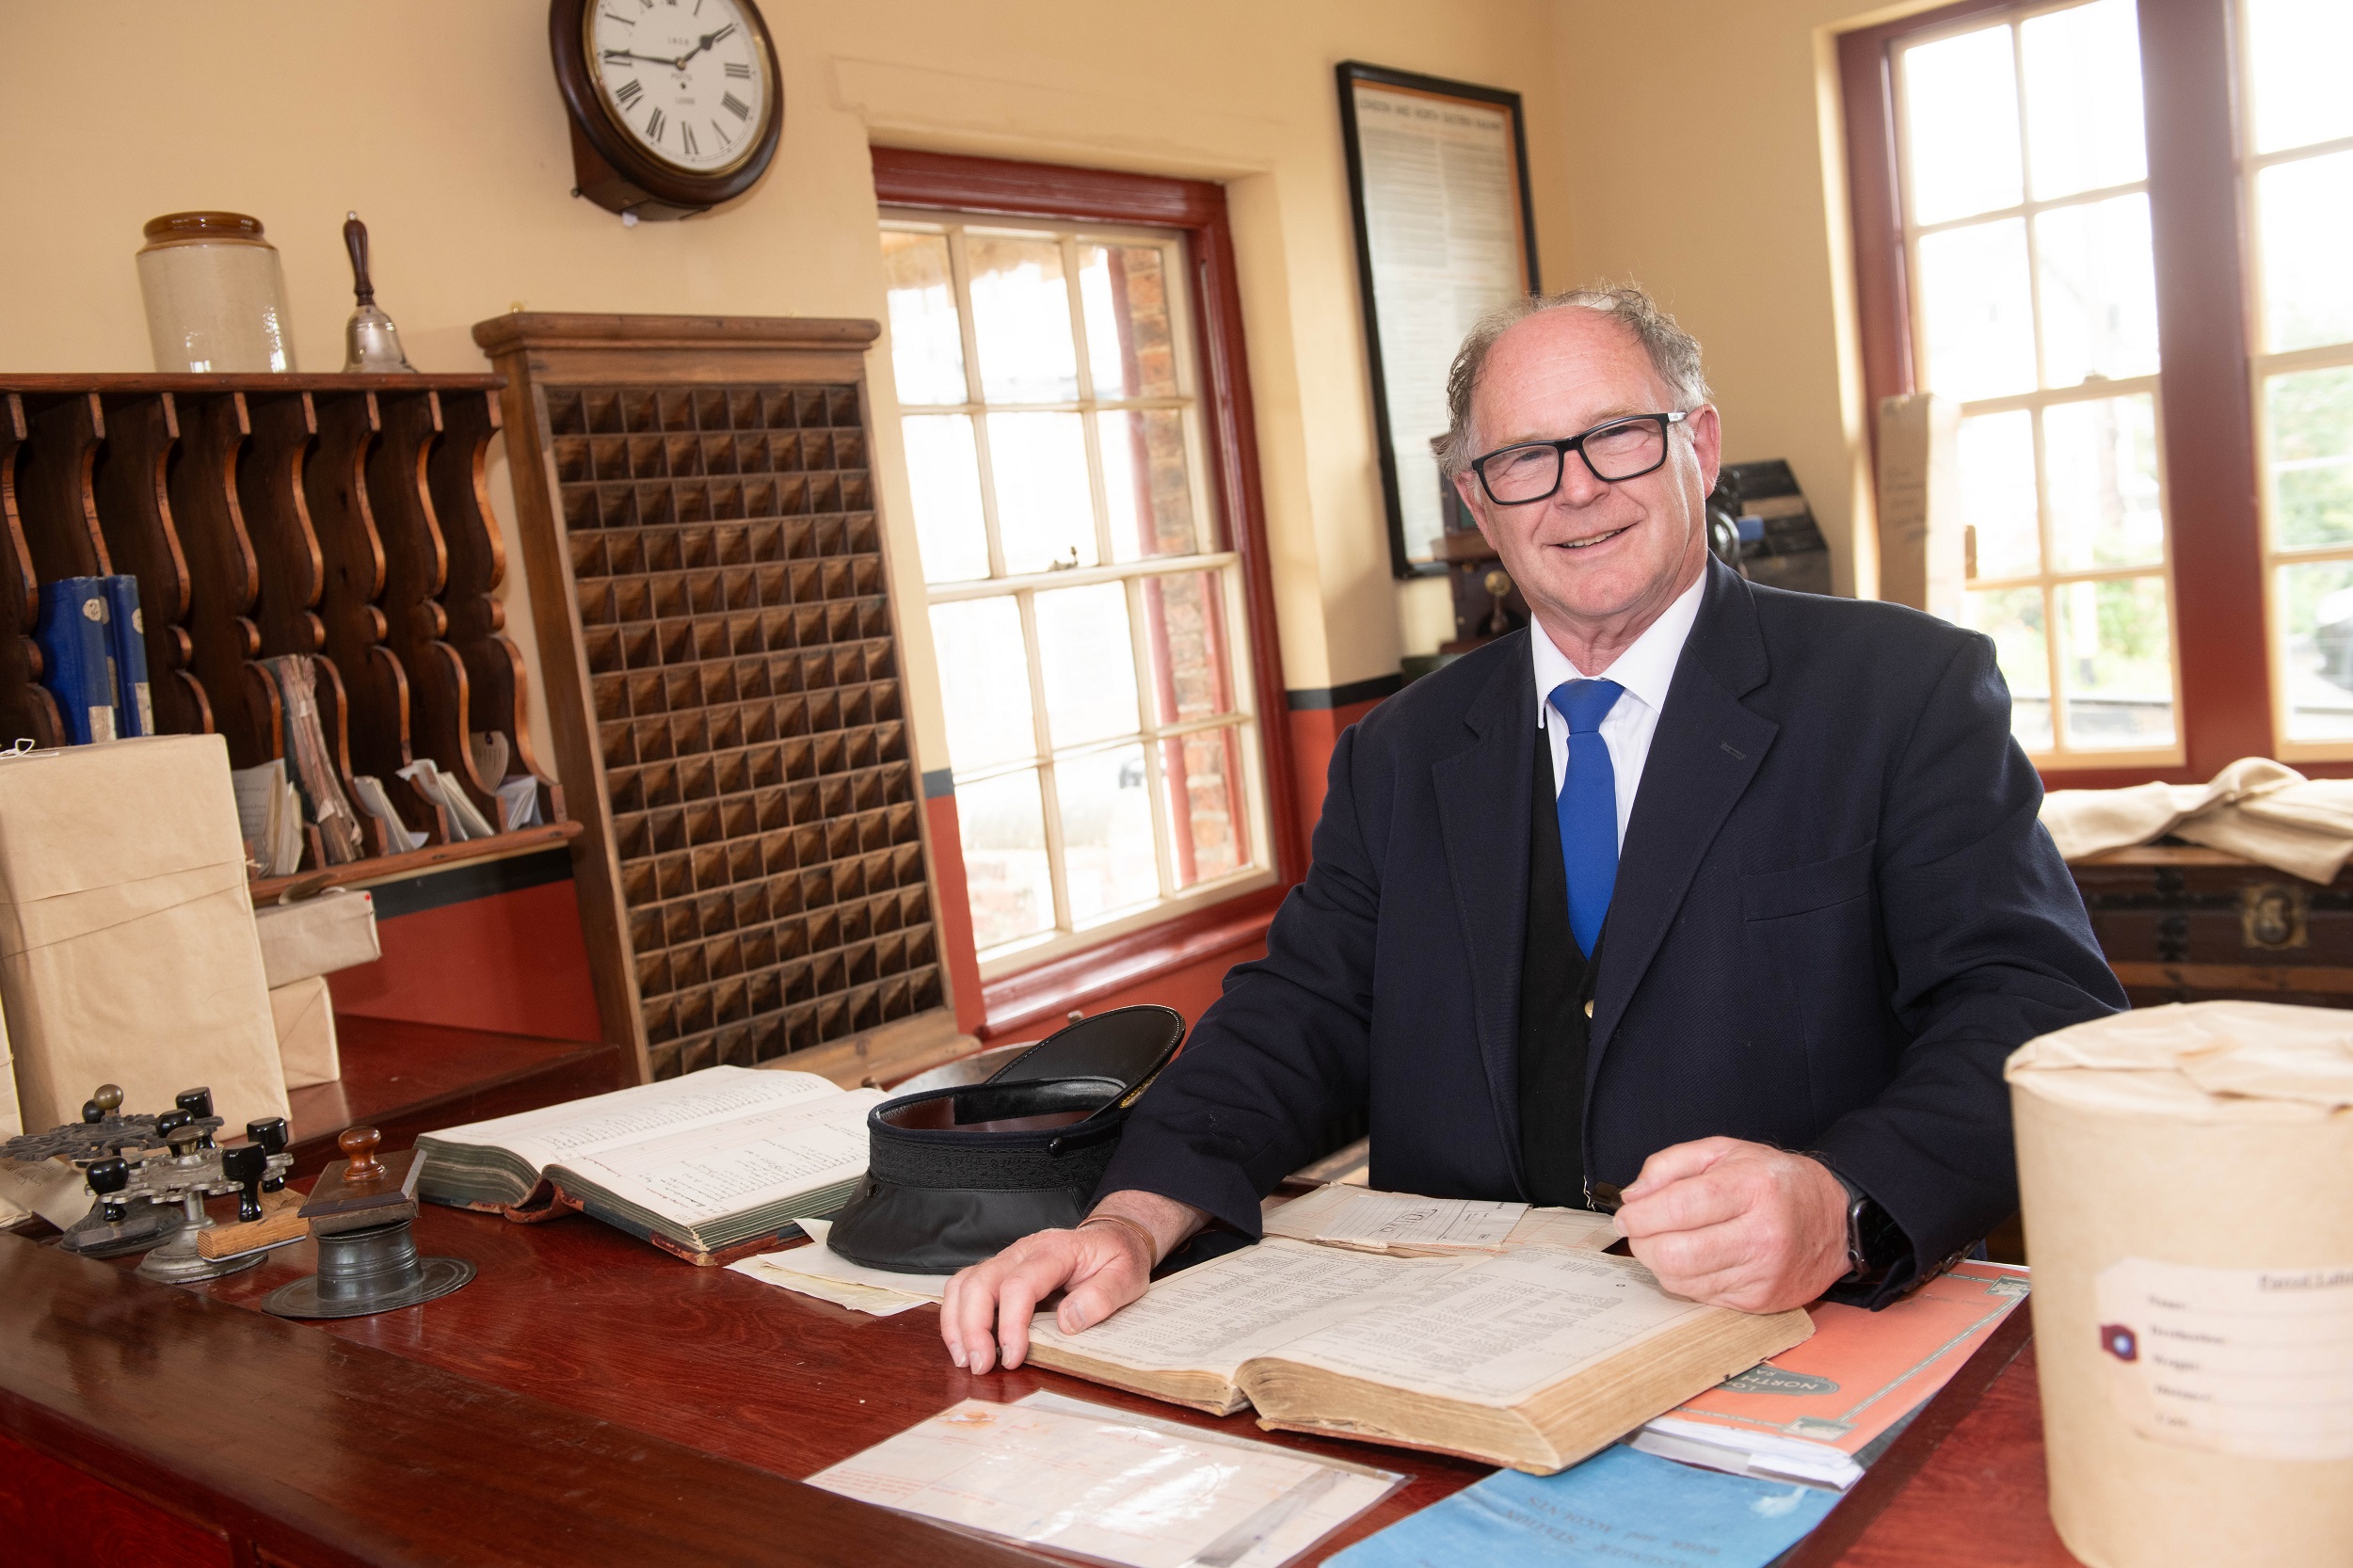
(675, 104)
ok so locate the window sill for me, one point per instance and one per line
(1044, 992)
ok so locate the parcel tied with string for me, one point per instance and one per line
(2186, 1174)
(127, 949)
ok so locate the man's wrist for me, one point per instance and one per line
(1121, 1223)
(1874, 1243)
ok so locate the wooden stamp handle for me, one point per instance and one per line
(358, 1147)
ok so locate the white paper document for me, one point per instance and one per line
(816, 1270)
(1092, 1482)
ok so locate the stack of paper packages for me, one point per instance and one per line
(129, 950)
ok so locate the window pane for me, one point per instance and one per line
(944, 475)
(1044, 515)
(1203, 773)
(1131, 345)
(1021, 319)
(1011, 885)
(2304, 213)
(926, 343)
(2116, 661)
(2315, 605)
(1107, 833)
(1184, 626)
(1090, 664)
(2013, 618)
(2296, 62)
(2102, 461)
(984, 682)
(2099, 291)
(1960, 125)
(1978, 315)
(2084, 125)
(1148, 484)
(1997, 493)
(2310, 419)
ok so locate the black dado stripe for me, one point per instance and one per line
(939, 782)
(1342, 696)
(471, 880)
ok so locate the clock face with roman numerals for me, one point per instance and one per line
(685, 79)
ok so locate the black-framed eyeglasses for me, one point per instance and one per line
(1616, 450)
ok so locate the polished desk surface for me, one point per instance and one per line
(572, 1316)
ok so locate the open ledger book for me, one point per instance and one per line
(1534, 1357)
(703, 1166)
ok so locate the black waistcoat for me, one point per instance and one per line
(1555, 988)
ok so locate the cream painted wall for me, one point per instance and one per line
(1705, 159)
(439, 122)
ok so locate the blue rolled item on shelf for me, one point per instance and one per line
(127, 644)
(72, 637)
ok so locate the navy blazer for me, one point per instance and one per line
(1835, 914)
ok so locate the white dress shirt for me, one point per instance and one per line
(1645, 670)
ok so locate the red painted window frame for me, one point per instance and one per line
(1195, 209)
(2188, 69)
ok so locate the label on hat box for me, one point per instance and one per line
(2257, 1362)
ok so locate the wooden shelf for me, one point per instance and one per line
(397, 868)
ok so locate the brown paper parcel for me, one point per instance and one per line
(2186, 1174)
(304, 1013)
(127, 949)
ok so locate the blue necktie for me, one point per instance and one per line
(1588, 806)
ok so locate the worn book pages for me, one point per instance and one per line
(709, 1159)
(1339, 1214)
(1533, 1358)
(1498, 1329)
(1186, 1340)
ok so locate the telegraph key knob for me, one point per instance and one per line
(268, 1133)
(93, 1112)
(184, 1140)
(246, 1164)
(170, 1123)
(358, 1147)
(109, 1099)
(107, 1179)
(196, 1102)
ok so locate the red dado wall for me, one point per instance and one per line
(509, 958)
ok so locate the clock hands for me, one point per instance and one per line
(678, 63)
(707, 40)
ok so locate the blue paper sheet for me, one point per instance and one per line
(1620, 1509)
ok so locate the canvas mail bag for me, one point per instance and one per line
(127, 948)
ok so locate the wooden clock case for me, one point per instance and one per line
(609, 167)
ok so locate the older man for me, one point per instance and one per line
(1721, 901)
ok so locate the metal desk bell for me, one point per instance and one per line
(371, 341)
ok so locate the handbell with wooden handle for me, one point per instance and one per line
(371, 341)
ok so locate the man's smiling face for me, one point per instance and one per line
(1594, 556)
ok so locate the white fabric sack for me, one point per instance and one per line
(2186, 1174)
(317, 936)
(127, 948)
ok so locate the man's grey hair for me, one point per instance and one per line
(1673, 353)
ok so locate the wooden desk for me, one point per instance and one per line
(589, 1400)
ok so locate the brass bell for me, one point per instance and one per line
(371, 341)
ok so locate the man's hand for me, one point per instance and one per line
(1738, 1224)
(1103, 1267)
